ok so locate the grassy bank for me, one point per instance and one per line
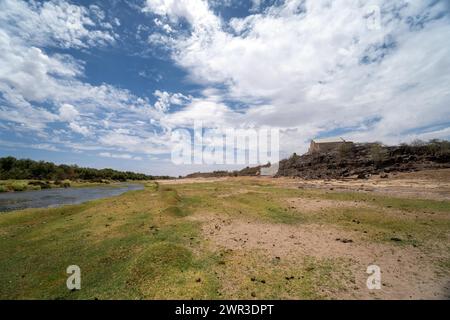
(152, 243)
(27, 185)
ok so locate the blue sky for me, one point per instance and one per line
(104, 83)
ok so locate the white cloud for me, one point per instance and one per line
(311, 67)
(166, 99)
(45, 146)
(29, 77)
(38, 89)
(307, 67)
(137, 142)
(119, 156)
(67, 112)
(55, 23)
(79, 129)
(196, 13)
(209, 112)
(256, 5)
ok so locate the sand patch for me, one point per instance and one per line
(191, 180)
(407, 273)
(312, 205)
(431, 184)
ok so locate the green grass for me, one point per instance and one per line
(389, 202)
(13, 185)
(110, 239)
(263, 278)
(144, 244)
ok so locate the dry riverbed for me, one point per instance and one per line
(248, 238)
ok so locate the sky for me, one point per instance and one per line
(105, 83)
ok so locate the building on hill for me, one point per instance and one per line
(325, 145)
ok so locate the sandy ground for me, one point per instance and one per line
(431, 184)
(192, 180)
(407, 272)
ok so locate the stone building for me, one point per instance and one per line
(325, 145)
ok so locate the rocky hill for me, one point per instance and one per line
(364, 160)
(360, 160)
(248, 171)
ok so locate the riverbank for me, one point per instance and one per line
(230, 239)
(55, 197)
(29, 185)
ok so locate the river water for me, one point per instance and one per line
(57, 197)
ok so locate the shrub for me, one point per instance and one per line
(19, 186)
(40, 184)
(438, 147)
(65, 184)
(378, 153)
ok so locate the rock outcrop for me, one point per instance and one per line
(364, 160)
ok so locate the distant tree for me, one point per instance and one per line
(11, 168)
(417, 143)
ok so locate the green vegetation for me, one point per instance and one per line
(23, 185)
(150, 244)
(26, 169)
(378, 153)
(124, 247)
(18, 185)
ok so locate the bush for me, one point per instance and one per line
(19, 186)
(40, 184)
(438, 147)
(378, 153)
(65, 184)
(3, 188)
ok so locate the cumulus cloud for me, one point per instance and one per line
(209, 112)
(166, 99)
(38, 88)
(143, 142)
(67, 112)
(196, 13)
(317, 67)
(308, 67)
(79, 129)
(56, 23)
(29, 77)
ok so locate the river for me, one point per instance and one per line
(59, 196)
